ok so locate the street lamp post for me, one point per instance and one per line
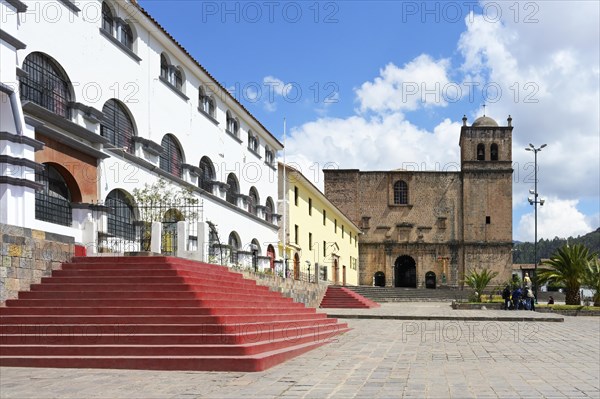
(535, 201)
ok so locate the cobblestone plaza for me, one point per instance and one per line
(416, 358)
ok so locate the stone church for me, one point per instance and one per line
(427, 229)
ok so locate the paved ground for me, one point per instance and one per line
(440, 311)
(377, 359)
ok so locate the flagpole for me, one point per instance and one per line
(284, 235)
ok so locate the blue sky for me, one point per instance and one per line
(384, 84)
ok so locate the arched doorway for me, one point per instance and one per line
(271, 255)
(379, 279)
(296, 266)
(405, 272)
(430, 280)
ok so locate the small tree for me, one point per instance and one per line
(591, 279)
(479, 281)
(567, 266)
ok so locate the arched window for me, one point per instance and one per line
(494, 152)
(268, 156)
(117, 126)
(206, 103)
(253, 200)
(480, 152)
(164, 67)
(53, 202)
(252, 141)
(177, 78)
(207, 174)
(269, 210)
(45, 84)
(116, 27)
(233, 126)
(257, 246)
(234, 246)
(121, 219)
(107, 18)
(233, 190)
(126, 35)
(400, 193)
(171, 157)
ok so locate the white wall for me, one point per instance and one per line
(100, 70)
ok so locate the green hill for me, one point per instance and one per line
(524, 251)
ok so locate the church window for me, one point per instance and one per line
(400, 193)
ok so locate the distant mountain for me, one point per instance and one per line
(523, 252)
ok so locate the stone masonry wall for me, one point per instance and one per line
(310, 294)
(27, 256)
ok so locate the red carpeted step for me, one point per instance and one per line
(201, 295)
(120, 330)
(156, 313)
(258, 362)
(130, 336)
(340, 297)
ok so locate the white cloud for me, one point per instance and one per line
(557, 218)
(406, 88)
(549, 81)
(274, 85)
(380, 143)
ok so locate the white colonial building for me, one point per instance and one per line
(97, 99)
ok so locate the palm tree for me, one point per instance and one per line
(591, 279)
(567, 267)
(478, 281)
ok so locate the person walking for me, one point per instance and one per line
(530, 299)
(516, 297)
(506, 297)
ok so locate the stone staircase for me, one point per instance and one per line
(398, 294)
(156, 313)
(341, 297)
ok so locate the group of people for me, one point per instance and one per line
(519, 298)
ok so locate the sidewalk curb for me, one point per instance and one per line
(447, 318)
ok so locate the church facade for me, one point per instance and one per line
(429, 229)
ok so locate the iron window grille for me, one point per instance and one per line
(234, 245)
(269, 210)
(53, 202)
(121, 221)
(253, 201)
(233, 190)
(44, 84)
(117, 126)
(171, 157)
(207, 175)
(401, 193)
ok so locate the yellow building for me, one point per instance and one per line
(318, 236)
